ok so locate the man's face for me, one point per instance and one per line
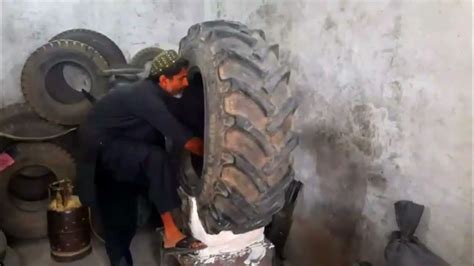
(176, 84)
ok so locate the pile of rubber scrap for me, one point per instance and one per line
(38, 139)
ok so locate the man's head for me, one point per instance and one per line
(170, 72)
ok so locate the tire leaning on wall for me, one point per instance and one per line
(248, 138)
(103, 44)
(62, 105)
(144, 56)
(31, 224)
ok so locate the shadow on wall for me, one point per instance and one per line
(324, 233)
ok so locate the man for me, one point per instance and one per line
(124, 152)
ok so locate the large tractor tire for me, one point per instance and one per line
(47, 92)
(25, 222)
(103, 44)
(248, 118)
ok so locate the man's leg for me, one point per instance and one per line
(118, 208)
(163, 192)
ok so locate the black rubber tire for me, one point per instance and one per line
(42, 60)
(144, 56)
(31, 224)
(248, 118)
(20, 120)
(103, 44)
(3, 245)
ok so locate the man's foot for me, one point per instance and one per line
(174, 240)
(186, 245)
(182, 241)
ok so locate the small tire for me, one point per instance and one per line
(31, 224)
(103, 44)
(59, 103)
(144, 56)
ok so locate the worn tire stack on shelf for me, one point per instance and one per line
(41, 131)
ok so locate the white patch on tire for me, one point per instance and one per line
(225, 242)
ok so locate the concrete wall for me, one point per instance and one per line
(385, 106)
(385, 115)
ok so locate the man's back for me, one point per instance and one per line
(115, 115)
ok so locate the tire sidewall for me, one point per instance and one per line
(200, 57)
(37, 67)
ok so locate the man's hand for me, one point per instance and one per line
(195, 146)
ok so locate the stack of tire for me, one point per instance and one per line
(52, 81)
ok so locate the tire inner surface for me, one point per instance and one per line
(193, 97)
(28, 187)
(65, 80)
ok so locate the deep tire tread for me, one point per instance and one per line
(246, 125)
(256, 83)
(255, 175)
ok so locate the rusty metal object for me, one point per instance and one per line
(69, 234)
(68, 229)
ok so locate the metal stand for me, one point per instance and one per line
(261, 254)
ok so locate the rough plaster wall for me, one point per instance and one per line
(133, 25)
(385, 114)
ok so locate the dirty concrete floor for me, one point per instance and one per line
(145, 251)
